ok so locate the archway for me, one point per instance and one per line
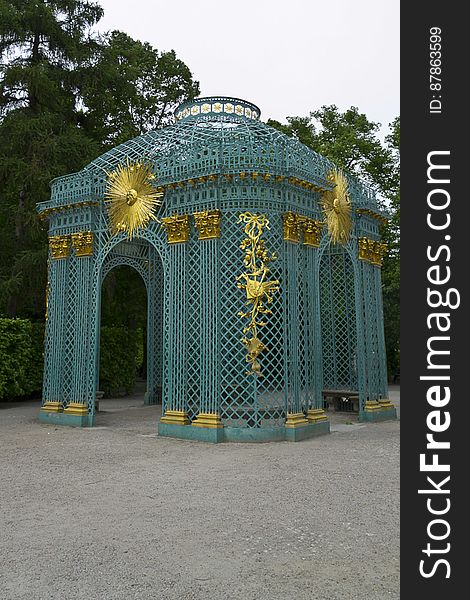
(338, 320)
(137, 308)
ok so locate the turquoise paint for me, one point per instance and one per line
(188, 432)
(305, 432)
(384, 414)
(242, 434)
(61, 418)
(326, 326)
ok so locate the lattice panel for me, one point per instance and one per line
(373, 324)
(338, 324)
(246, 400)
(155, 326)
(71, 309)
(53, 355)
(196, 316)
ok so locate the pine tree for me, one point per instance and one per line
(41, 45)
(350, 140)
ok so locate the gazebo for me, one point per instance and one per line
(261, 262)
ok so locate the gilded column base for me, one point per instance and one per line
(175, 417)
(211, 420)
(385, 404)
(76, 408)
(295, 420)
(314, 415)
(381, 410)
(372, 406)
(53, 407)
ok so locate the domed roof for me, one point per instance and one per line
(218, 134)
(211, 135)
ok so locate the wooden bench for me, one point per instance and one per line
(341, 400)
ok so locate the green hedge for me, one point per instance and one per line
(119, 356)
(21, 358)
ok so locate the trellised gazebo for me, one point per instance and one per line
(262, 267)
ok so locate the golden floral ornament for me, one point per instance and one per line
(337, 208)
(258, 288)
(131, 198)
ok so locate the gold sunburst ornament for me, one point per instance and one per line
(131, 198)
(337, 208)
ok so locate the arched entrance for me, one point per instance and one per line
(338, 320)
(143, 258)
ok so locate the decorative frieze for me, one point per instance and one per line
(372, 251)
(82, 241)
(208, 224)
(60, 246)
(177, 228)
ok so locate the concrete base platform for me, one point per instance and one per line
(61, 418)
(243, 434)
(384, 414)
(212, 435)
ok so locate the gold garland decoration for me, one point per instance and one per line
(131, 197)
(259, 290)
(337, 208)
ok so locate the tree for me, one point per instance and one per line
(66, 95)
(131, 88)
(41, 43)
(391, 266)
(350, 140)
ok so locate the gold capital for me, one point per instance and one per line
(60, 246)
(177, 228)
(208, 224)
(291, 227)
(82, 241)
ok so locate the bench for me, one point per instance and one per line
(99, 396)
(341, 400)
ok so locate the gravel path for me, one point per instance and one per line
(116, 513)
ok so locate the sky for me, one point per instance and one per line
(288, 57)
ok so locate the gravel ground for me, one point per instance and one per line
(116, 513)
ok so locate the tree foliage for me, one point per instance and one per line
(351, 141)
(132, 88)
(66, 95)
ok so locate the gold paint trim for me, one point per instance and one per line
(291, 228)
(52, 407)
(58, 209)
(314, 415)
(295, 420)
(175, 417)
(76, 408)
(59, 246)
(208, 224)
(374, 215)
(82, 241)
(209, 420)
(177, 228)
(386, 404)
(371, 251)
(372, 406)
(255, 282)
